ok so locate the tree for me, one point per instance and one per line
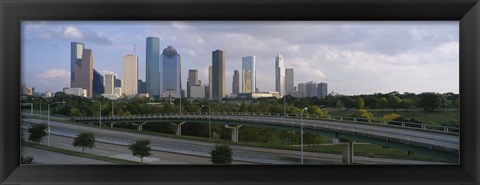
(315, 110)
(222, 154)
(243, 107)
(359, 103)
(27, 160)
(382, 103)
(37, 132)
(431, 101)
(84, 140)
(140, 148)
(406, 103)
(395, 102)
(390, 117)
(362, 113)
(339, 104)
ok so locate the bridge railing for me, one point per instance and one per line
(191, 115)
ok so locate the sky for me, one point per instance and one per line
(352, 57)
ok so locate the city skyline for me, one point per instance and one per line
(405, 56)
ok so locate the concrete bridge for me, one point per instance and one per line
(439, 141)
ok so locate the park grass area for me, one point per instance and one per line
(426, 117)
(78, 154)
(365, 150)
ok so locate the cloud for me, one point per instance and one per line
(71, 32)
(53, 74)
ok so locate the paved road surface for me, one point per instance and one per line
(47, 157)
(202, 149)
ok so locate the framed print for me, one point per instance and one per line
(244, 92)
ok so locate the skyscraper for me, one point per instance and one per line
(76, 53)
(130, 75)
(153, 66)
(311, 89)
(248, 74)
(192, 80)
(171, 73)
(82, 62)
(302, 89)
(322, 90)
(142, 87)
(236, 82)
(109, 83)
(98, 87)
(289, 80)
(210, 81)
(280, 75)
(218, 74)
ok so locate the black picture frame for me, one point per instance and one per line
(12, 12)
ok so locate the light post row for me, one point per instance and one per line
(48, 121)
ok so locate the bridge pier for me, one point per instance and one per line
(178, 131)
(234, 131)
(347, 153)
(111, 124)
(140, 126)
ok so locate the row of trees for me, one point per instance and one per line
(222, 154)
(84, 140)
(81, 106)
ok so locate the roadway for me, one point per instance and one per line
(413, 136)
(177, 151)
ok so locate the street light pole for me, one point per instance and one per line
(48, 122)
(301, 133)
(209, 122)
(100, 116)
(284, 111)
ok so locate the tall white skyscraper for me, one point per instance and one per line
(280, 75)
(289, 87)
(130, 75)
(248, 74)
(109, 83)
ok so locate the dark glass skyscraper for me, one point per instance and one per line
(218, 74)
(171, 72)
(153, 66)
(76, 52)
(98, 87)
(236, 82)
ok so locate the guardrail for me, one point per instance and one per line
(192, 115)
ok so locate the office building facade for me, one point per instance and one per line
(98, 85)
(171, 73)
(76, 53)
(218, 74)
(192, 81)
(130, 75)
(153, 66)
(109, 83)
(280, 75)
(289, 81)
(322, 89)
(311, 89)
(248, 74)
(236, 82)
(82, 68)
